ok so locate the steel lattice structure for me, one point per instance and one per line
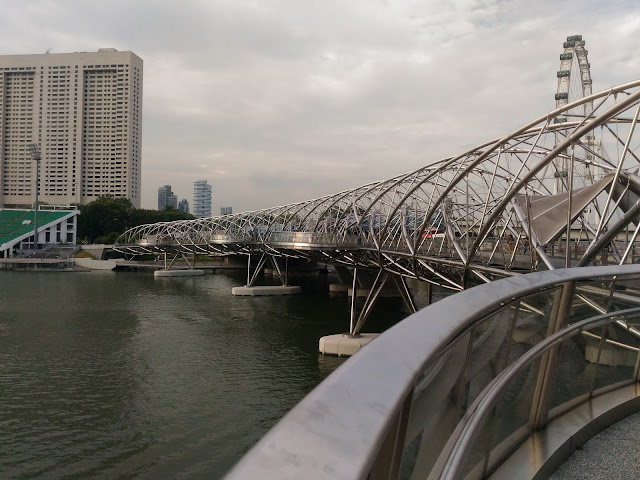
(489, 212)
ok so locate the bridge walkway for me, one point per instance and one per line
(612, 454)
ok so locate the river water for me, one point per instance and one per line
(120, 375)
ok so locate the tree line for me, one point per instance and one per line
(107, 217)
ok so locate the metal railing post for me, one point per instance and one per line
(353, 300)
(249, 269)
(636, 368)
(560, 312)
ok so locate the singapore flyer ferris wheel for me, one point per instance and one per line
(574, 83)
(574, 79)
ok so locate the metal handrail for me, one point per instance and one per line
(318, 238)
(491, 394)
(344, 428)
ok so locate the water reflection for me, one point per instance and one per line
(106, 375)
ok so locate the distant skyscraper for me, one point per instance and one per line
(166, 198)
(201, 199)
(84, 109)
(183, 206)
(226, 210)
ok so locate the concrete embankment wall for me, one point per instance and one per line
(96, 249)
(95, 264)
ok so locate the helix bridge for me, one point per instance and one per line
(561, 191)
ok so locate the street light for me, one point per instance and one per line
(34, 150)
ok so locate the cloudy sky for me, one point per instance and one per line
(276, 101)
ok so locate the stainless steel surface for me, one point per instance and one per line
(542, 455)
(453, 468)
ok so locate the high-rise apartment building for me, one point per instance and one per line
(201, 199)
(226, 210)
(183, 206)
(85, 111)
(166, 198)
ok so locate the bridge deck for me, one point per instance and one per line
(613, 453)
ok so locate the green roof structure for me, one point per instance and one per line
(17, 225)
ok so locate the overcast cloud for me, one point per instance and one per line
(276, 101)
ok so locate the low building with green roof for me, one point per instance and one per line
(56, 225)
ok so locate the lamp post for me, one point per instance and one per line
(34, 150)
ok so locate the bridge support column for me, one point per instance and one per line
(345, 279)
(347, 344)
(403, 288)
(372, 297)
(429, 293)
(182, 272)
(252, 290)
(343, 274)
(284, 277)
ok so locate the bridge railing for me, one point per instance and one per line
(314, 239)
(156, 240)
(218, 238)
(454, 389)
(309, 239)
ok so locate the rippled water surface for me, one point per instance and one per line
(120, 375)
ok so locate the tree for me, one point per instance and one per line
(141, 216)
(107, 217)
(104, 216)
(108, 239)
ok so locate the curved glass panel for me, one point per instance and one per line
(617, 357)
(434, 410)
(490, 352)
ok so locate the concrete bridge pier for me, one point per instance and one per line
(346, 344)
(252, 290)
(182, 272)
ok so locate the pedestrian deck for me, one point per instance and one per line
(612, 454)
